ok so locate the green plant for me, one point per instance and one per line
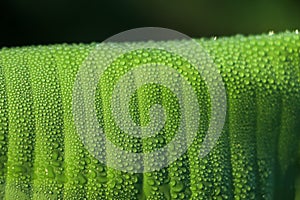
(256, 157)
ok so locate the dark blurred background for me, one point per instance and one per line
(29, 22)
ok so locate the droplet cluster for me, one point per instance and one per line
(43, 157)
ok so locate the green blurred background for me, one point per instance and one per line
(28, 22)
